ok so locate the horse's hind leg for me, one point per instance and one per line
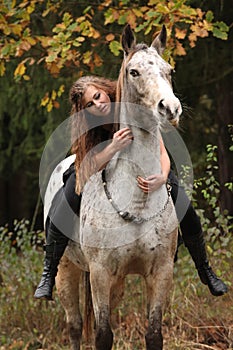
(100, 284)
(67, 283)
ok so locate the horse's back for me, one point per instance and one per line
(55, 183)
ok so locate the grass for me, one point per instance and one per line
(193, 318)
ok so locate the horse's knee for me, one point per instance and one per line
(154, 338)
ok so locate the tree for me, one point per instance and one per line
(45, 45)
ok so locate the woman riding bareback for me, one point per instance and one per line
(91, 97)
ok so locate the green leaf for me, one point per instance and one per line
(141, 26)
(222, 26)
(122, 19)
(6, 50)
(72, 27)
(51, 58)
(219, 34)
(148, 29)
(157, 19)
(115, 47)
(209, 16)
(152, 13)
(86, 9)
(67, 19)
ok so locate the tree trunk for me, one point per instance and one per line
(224, 94)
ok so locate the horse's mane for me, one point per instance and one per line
(120, 81)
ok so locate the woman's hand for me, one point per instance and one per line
(121, 139)
(151, 183)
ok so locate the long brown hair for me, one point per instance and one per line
(84, 134)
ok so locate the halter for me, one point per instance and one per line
(125, 214)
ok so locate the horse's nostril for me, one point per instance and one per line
(161, 105)
(178, 110)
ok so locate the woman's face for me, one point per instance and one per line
(97, 101)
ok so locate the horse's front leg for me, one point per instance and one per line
(67, 283)
(100, 286)
(158, 285)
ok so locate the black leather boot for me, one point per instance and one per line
(197, 250)
(54, 249)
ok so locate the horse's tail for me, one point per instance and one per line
(88, 309)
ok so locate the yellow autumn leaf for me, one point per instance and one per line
(44, 100)
(87, 57)
(26, 77)
(45, 41)
(180, 33)
(80, 39)
(137, 12)
(97, 60)
(131, 19)
(54, 69)
(61, 90)
(19, 52)
(32, 41)
(2, 68)
(199, 30)
(49, 106)
(94, 33)
(54, 95)
(179, 50)
(20, 69)
(192, 39)
(208, 26)
(25, 45)
(200, 12)
(31, 8)
(110, 37)
(16, 29)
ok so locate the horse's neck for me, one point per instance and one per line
(141, 157)
(143, 154)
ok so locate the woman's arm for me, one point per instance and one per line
(165, 161)
(121, 139)
(153, 182)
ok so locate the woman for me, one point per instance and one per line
(91, 98)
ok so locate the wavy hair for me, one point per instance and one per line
(85, 135)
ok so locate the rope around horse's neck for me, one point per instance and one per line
(125, 214)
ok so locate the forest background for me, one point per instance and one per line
(45, 45)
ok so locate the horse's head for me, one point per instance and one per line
(145, 77)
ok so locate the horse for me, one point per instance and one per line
(123, 230)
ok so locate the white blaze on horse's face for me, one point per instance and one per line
(148, 77)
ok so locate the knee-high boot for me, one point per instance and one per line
(55, 246)
(196, 248)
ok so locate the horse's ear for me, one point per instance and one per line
(159, 42)
(128, 40)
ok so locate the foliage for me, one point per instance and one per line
(76, 39)
(46, 45)
(210, 190)
(217, 224)
(193, 319)
(23, 325)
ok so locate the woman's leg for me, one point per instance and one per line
(193, 237)
(59, 228)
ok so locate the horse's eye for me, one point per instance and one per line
(134, 73)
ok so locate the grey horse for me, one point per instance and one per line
(123, 230)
